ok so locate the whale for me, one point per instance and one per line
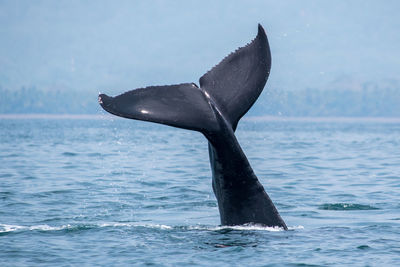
(214, 108)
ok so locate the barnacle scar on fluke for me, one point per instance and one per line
(225, 94)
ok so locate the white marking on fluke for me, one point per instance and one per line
(144, 111)
(100, 101)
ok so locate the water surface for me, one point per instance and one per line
(119, 192)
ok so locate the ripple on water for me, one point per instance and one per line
(69, 154)
(7, 229)
(346, 206)
(363, 247)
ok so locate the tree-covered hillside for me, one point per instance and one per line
(363, 99)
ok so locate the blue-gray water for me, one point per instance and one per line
(120, 192)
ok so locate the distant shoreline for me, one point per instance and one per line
(323, 119)
(252, 118)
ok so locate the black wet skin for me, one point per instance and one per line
(241, 197)
(225, 94)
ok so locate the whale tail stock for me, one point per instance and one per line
(230, 89)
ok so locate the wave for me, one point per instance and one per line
(7, 228)
(346, 206)
(69, 154)
(245, 227)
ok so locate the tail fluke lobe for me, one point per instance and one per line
(183, 105)
(237, 81)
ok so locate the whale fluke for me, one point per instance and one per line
(233, 85)
(225, 94)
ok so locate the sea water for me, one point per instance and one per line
(103, 191)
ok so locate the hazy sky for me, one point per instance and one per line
(120, 45)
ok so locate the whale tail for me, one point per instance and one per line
(225, 94)
(230, 88)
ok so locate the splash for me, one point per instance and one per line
(7, 228)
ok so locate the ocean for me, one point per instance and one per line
(104, 191)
